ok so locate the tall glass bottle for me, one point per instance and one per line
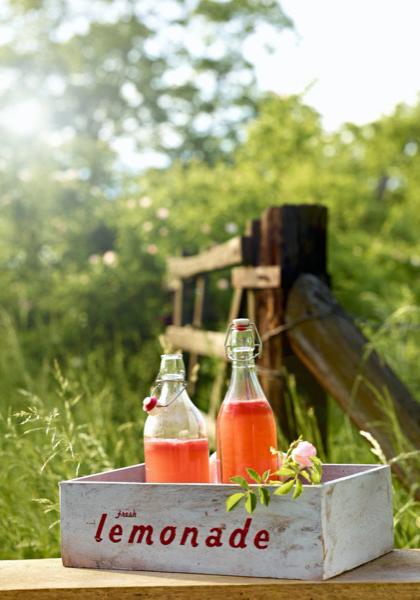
(176, 447)
(246, 428)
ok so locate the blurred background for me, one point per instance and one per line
(135, 130)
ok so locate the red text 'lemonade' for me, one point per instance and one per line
(246, 428)
(176, 448)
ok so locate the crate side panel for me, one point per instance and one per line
(294, 549)
(133, 474)
(337, 471)
(357, 520)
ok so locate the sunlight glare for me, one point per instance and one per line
(23, 118)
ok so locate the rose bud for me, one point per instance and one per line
(302, 454)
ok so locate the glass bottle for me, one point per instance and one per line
(176, 448)
(246, 428)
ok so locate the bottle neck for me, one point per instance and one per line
(244, 383)
(173, 391)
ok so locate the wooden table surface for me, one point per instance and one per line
(395, 575)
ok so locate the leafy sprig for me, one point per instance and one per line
(288, 477)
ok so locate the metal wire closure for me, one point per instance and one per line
(257, 342)
(159, 383)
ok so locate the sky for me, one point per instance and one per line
(356, 59)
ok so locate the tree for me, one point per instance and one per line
(171, 77)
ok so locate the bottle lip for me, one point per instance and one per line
(172, 363)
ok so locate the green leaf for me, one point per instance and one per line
(240, 481)
(250, 502)
(316, 477)
(233, 501)
(306, 476)
(286, 472)
(264, 496)
(254, 475)
(284, 488)
(298, 489)
(266, 475)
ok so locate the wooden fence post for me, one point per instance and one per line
(294, 238)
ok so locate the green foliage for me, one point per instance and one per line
(289, 476)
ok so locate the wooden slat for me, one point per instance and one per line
(177, 309)
(204, 343)
(234, 252)
(256, 277)
(200, 287)
(173, 284)
(328, 342)
(395, 576)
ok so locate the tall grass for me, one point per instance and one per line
(345, 444)
(55, 427)
(84, 417)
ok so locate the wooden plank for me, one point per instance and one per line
(234, 252)
(328, 342)
(269, 312)
(200, 286)
(293, 237)
(256, 277)
(204, 343)
(393, 576)
(350, 529)
(253, 230)
(173, 285)
(178, 303)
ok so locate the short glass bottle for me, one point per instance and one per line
(246, 427)
(176, 447)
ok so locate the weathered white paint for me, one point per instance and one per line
(357, 519)
(331, 528)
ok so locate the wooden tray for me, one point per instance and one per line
(114, 520)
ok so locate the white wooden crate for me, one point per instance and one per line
(114, 520)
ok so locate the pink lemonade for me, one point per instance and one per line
(177, 460)
(246, 430)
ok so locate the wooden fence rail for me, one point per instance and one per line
(234, 252)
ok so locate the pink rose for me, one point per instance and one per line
(302, 454)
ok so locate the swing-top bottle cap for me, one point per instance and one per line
(172, 367)
(241, 324)
(242, 338)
